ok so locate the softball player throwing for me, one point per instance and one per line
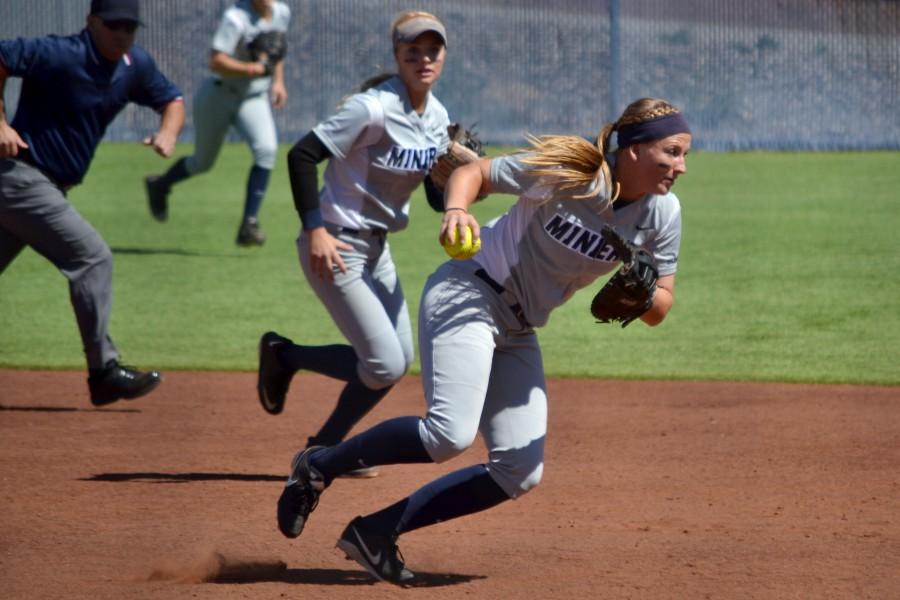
(481, 362)
(237, 94)
(380, 145)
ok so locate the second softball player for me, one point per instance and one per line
(380, 145)
(237, 94)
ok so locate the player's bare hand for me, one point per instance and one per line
(454, 222)
(10, 142)
(279, 95)
(324, 253)
(162, 143)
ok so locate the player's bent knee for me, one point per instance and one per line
(264, 156)
(443, 445)
(383, 373)
(196, 165)
(517, 480)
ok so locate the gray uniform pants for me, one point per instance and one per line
(216, 109)
(367, 305)
(35, 212)
(482, 371)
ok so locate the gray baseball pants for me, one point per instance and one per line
(482, 372)
(216, 109)
(367, 305)
(34, 212)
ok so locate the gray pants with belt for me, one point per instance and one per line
(34, 212)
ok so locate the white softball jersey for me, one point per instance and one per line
(239, 26)
(385, 149)
(549, 245)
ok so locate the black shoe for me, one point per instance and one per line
(300, 495)
(273, 379)
(157, 197)
(117, 382)
(250, 234)
(377, 553)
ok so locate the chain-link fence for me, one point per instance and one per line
(772, 74)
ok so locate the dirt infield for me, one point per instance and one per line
(651, 490)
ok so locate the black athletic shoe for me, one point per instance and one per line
(377, 553)
(157, 197)
(273, 379)
(117, 382)
(300, 495)
(250, 234)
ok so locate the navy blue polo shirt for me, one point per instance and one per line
(70, 94)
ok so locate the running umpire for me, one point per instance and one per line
(72, 88)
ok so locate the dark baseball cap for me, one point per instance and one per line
(117, 10)
(410, 30)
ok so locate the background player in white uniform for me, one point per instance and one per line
(481, 362)
(380, 145)
(238, 94)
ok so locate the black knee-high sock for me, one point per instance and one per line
(337, 360)
(257, 183)
(391, 442)
(354, 403)
(177, 172)
(460, 493)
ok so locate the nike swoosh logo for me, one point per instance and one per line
(372, 558)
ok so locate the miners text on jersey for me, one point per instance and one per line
(411, 159)
(580, 239)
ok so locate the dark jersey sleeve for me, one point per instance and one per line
(154, 90)
(434, 196)
(303, 159)
(22, 56)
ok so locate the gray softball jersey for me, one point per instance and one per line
(548, 245)
(239, 26)
(385, 149)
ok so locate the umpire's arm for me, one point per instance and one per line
(170, 123)
(10, 142)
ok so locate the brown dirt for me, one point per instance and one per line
(651, 490)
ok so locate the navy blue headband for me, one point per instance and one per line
(655, 129)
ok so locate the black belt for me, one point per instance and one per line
(516, 308)
(377, 232)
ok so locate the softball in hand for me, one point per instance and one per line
(462, 247)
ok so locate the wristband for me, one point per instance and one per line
(456, 208)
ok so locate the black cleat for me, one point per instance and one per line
(273, 378)
(300, 495)
(117, 382)
(378, 554)
(250, 234)
(157, 197)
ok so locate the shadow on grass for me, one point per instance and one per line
(153, 477)
(60, 409)
(174, 252)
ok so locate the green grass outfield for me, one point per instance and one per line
(788, 272)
